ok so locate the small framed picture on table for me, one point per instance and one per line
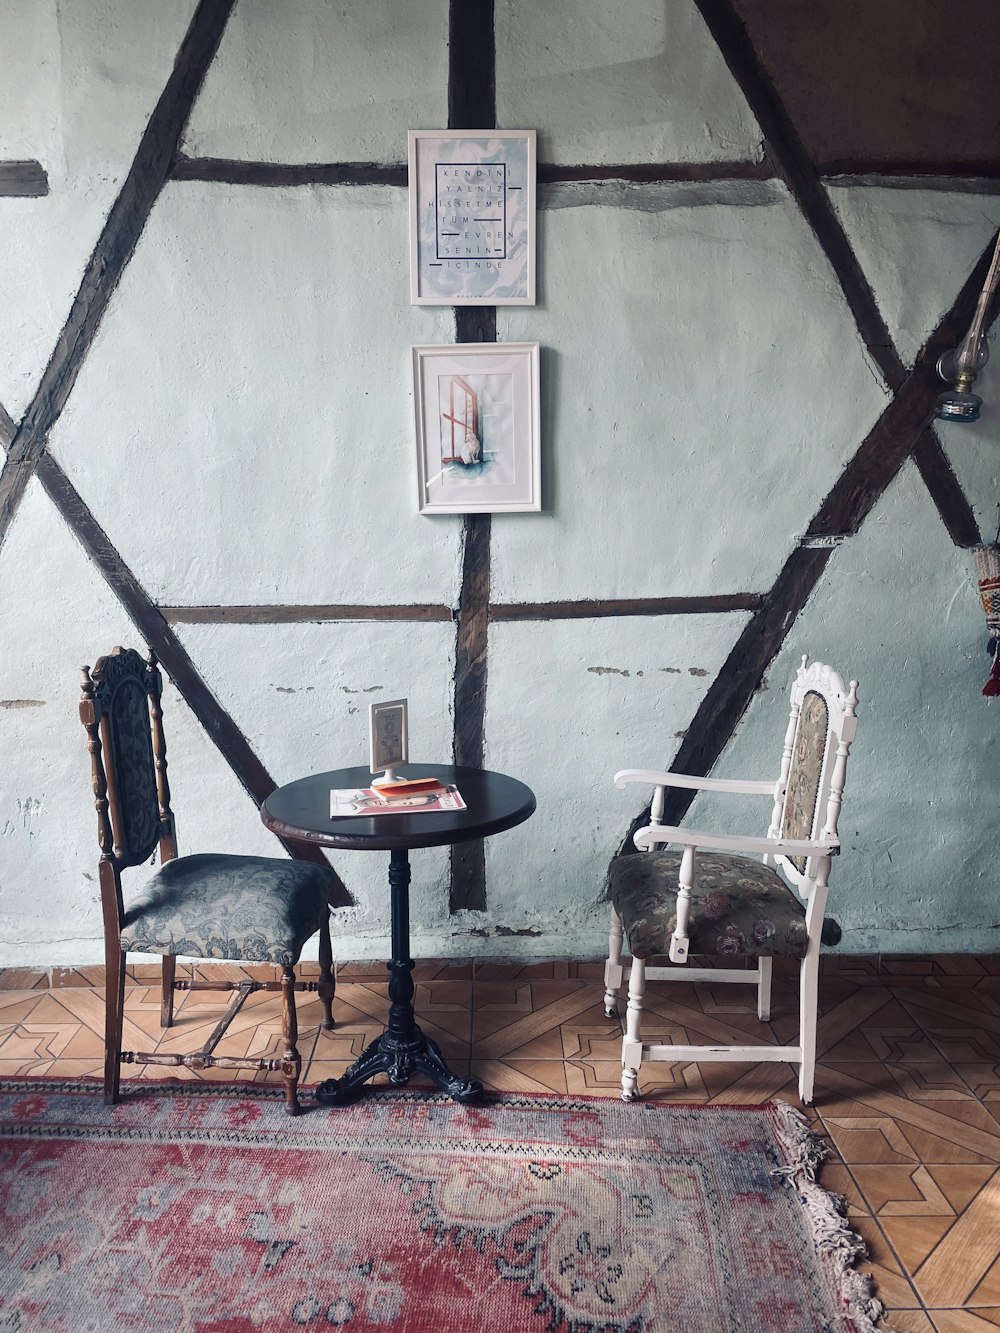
(388, 739)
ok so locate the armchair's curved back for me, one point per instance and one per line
(120, 709)
(809, 792)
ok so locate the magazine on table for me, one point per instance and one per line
(347, 801)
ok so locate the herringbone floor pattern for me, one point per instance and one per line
(908, 1086)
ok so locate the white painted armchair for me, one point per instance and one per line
(705, 900)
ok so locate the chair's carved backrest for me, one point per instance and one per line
(809, 792)
(120, 709)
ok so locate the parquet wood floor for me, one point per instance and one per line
(908, 1084)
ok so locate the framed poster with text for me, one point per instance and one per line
(472, 217)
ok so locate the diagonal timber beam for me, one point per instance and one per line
(899, 431)
(27, 454)
(220, 727)
(802, 177)
(115, 246)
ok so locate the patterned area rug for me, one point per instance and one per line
(199, 1207)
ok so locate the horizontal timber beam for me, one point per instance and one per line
(498, 612)
(23, 180)
(634, 606)
(292, 615)
(274, 175)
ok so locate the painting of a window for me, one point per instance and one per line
(460, 441)
(477, 428)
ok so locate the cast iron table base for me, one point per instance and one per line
(402, 1050)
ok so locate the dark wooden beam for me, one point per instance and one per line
(471, 106)
(23, 180)
(468, 859)
(787, 151)
(470, 674)
(117, 241)
(895, 436)
(231, 743)
(627, 606)
(651, 173)
(888, 180)
(953, 170)
(942, 485)
(274, 174)
(296, 615)
(476, 324)
(727, 699)
(897, 432)
(472, 96)
(794, 164)
(220, 727)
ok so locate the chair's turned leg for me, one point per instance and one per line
(291, 1061)
(632, 1044)
(114, 1008)
(613, 967)
(808, 1008)
(327, 982)
(167, 991)
(764, 989)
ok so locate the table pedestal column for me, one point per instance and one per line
(402, 1049)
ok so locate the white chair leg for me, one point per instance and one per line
(632, 1044)
(808, 1009)
(764, 989)
(613, 967)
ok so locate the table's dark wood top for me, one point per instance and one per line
(301, 810)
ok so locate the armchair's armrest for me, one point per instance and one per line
(688, 837)
(653, 778)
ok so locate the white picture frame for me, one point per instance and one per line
(472, 217)
(477, 428)
(389, 744)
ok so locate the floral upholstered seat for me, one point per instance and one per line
(245, 909)
(740, 908)
(255, 908)
(716, 900)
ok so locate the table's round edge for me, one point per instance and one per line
(348, 842)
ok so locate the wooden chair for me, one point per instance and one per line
(704, 900)
(252, 909)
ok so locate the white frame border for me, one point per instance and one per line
(415, 136)
(384, 706)
(532, 504)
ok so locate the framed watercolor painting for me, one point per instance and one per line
(472, 217)
(477, 419)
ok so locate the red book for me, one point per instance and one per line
(403, 787)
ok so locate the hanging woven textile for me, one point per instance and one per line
(988, 570)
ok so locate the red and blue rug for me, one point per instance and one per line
(203, 1207)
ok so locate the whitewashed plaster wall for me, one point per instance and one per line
(241, 429)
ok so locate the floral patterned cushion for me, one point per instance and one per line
(739, 907)
(257, 909)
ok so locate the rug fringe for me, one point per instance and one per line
(832, 1235)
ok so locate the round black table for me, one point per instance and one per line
(300, 812)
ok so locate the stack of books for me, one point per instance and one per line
(403, 787)
(408, 796)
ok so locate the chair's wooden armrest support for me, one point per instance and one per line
(656, 833)
(654, 778)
